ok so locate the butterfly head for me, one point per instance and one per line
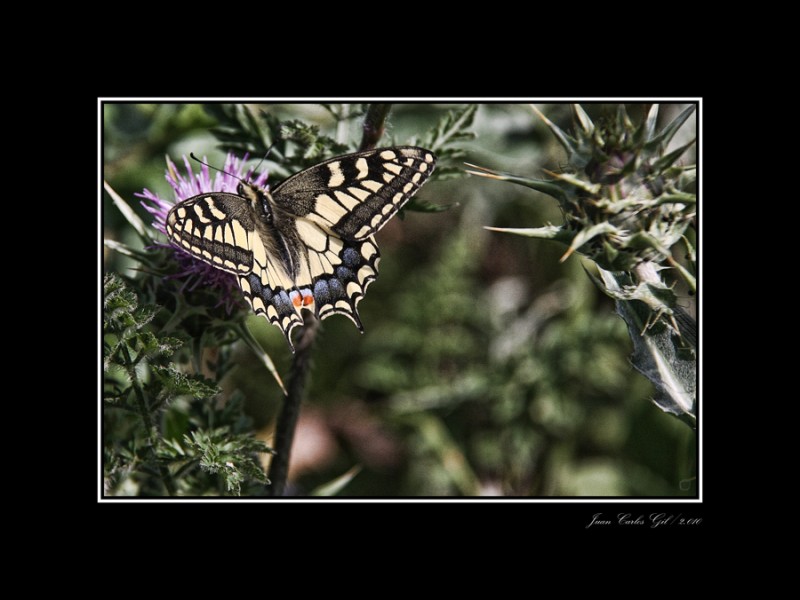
(258, 197)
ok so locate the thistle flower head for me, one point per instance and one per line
(627, 203)
(193, 271)
(624, 200)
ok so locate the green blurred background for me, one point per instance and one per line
(487, 367)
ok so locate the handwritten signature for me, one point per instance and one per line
(653, 520)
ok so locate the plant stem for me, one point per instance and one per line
(152, 432)
(373, 125)
(301, 363)
(287, 420)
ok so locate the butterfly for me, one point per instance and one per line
(308, 244)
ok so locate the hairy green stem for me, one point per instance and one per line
(150, 427)
(342, 122)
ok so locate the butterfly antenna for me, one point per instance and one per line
(191, 154)
(271, 146)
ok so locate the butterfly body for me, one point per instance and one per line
(307, 244)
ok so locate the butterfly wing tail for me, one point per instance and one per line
(276, 306)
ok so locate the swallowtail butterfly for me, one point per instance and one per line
(307, 244)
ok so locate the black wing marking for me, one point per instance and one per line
(217, 228)
(334, 284)
(316, 251)
(356, 194)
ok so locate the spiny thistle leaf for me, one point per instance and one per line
(548, 232)
(583, 119)
(546, 187)
(660, 141)
(584, 236)
(667, 160)
(665, 354)
(649, 125)
(566, 141)
(625, 206)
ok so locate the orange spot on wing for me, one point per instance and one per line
(308, 300)
(297, 300)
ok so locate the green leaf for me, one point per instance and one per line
(129, 214)
(581, 184)
(435, 435)
(586, 235)
(664, 355)
(238, 130)
(232, 457)
(144, 314)
(666, 161)
(546, 187)
(118, 302)
(650, 123)
(645, 240)
(294, 145)
(675, 198)
(662, 139)
(583, 119)
(266, 359)
(451, 128)
(419, 205)
(124, 250)
(337, 485)
(443, 140)
(312, 146)
(346, 111)
(567, 141)
(687, 175)
(177, 383)
(548, 232)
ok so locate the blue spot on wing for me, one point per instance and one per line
(282, 302)
(345, 274)
(351, 257)
(335, 292)
(322, 293)
(336, 288)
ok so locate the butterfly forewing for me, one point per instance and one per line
(217, 228)
(355, 195)
(310, 243)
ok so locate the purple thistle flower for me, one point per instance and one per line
(196, 272)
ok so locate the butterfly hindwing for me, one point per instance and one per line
(339, 290)
(334, 289)
(309, 244)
